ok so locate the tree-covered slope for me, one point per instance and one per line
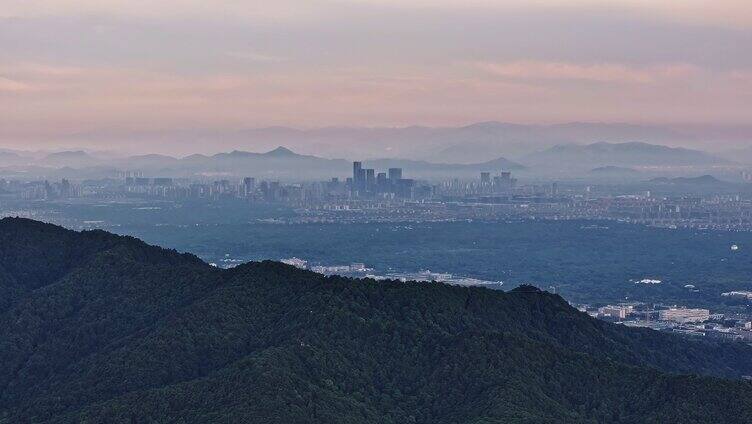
(100, 328)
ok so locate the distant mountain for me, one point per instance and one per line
(67, 155)
(280, 152)
(75, 159)
(485, 139)
(634, 154)
(102, 328)
(464, 144)
(278, 163)
(742, 155)
(286, 164)
(10, 158)
(148, 161)
(282, 162)
(428, 169)
(704, 180)
(614, 170)
(195, 158)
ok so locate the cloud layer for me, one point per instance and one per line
(74, 67)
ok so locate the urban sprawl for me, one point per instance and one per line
(373, 196)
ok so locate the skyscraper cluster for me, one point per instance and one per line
(366, 183)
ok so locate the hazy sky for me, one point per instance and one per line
(112, 66)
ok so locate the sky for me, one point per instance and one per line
(81, 70)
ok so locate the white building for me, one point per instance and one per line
(357, 267)
(296, 262)
(684, 315)
(619, 312)
(741, 294)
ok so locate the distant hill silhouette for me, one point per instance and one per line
(614, 170)
(704, 180)
(423, 167)
(10, 158)
(464, 144)
(284, 163)
(77, 159)
(618, 154)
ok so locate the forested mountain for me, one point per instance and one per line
(96, 327)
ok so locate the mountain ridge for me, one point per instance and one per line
(104, 328)
(465, 143)
(630, 154)
(280, 162)
(701, 180)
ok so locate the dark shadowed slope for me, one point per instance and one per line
(101, 328)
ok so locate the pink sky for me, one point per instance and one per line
(77, 67)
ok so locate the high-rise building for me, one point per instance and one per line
(359, 177)
(485, 178)
(162, 181)
(405, 188)
(370, 179)
(48, 194)
(395, 174)
(357, 167)
(504, 183)
(65, 188)
(381, 180)
(248, 187)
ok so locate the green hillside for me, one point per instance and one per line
(102, 328)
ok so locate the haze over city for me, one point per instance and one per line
(183, 77)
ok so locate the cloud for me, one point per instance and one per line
(730, 13)
(276, 11)
(599, 72)
(69, 99)
(10, 86)
(73, 65)
(723, 13)
(252, 56)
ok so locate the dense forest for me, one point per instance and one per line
(96, 327)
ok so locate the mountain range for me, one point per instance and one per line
(742, 155)
(277, 163)
(572, 157)
(282, 163)
(517, 141)
(614, 170)
(96, 327)
(460, 144)
(703, 180)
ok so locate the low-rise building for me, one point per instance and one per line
(683, 315)
(617, 312)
